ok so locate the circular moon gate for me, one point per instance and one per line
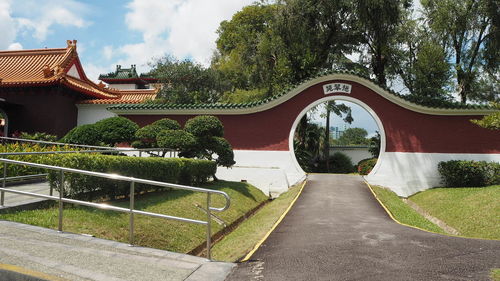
(415, 138)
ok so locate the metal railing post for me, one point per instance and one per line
(131, 222)
(130, 210)
(61, 192)
(2, 194)
(209, 228)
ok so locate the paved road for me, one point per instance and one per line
(337, 231)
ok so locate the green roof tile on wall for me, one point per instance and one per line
(158, 106)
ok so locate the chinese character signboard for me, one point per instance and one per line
(337, 88)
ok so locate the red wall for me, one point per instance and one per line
(41, 109)
(406, 131)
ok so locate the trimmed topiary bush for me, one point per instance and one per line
(176, 139)
(205, 126)
(84, 134)
(365, 166)
(147, 136)
(461, 173)
(166, 124)
(114, 130)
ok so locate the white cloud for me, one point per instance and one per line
(7, 25)
(183, 28)
(107, 52)
(93, 71)
(40, 18)
(15, 46)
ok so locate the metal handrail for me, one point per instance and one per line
(129, 210)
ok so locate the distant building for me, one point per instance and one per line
(127, 79)
(337, 132)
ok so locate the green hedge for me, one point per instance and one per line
(18, 170)
(461, 173)
(365, 166)
(171, 170)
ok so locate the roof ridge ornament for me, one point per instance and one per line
(47, 72)
(71, 43)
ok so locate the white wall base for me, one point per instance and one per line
(355, 153)
(273, 172)
(91, 113)
(408, 173)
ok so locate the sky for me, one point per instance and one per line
(113, 32)
(362, 119)
(119, 32)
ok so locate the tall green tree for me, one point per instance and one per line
(237, 54)
(468, 29)
(339, 110)
(316, 34)
(185, 81)
(354, 136)
(378, 21)
(421, 62)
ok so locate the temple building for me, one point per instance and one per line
(42, 90)
(127, 79)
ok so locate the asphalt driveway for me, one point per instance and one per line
(338, 231)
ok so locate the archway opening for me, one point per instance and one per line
(337, 134)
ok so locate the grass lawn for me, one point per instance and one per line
(402, 212)
(242, 240)
(151, 232)
(495, 274)
(474, 212)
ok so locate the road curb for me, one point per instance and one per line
(257, 246)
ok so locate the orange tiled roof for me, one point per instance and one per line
(126, 96)
(46, 67)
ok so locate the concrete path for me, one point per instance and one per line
(338, 231)
(77, 257)
(16, 200)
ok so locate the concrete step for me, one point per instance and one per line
(79, 257)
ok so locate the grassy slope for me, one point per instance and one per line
(495, 274)
(242, 240)
(474, 212)
(402, 212)
(151, 232)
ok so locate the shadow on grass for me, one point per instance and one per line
(240, 187)
(149, 199)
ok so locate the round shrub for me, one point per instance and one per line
(224, 151)
(166, 124)
(146, 137)
(176, 139)
(84, 134)
(116, 129)
(205, 126)
(341, 163)
(365, 166)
